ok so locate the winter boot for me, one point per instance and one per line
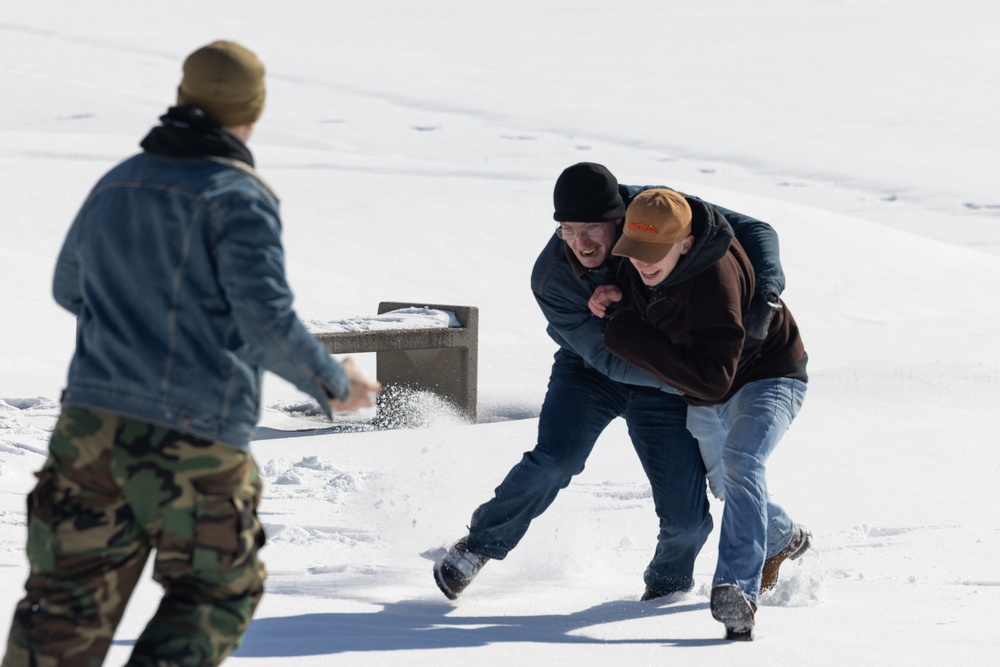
(657, 593)
(653, 594)
(732, 608)
(457, 568)
(798, 546)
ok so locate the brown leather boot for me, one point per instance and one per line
(798, 546)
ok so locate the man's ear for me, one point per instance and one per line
(687, 244)
(241, 132)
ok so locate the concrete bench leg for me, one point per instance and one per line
(451, 372)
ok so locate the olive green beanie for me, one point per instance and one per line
(226, 81)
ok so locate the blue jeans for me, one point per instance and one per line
(736, 438)
(579, 404)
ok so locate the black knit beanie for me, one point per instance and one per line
(587, 192)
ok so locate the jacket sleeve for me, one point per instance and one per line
(760, 242)
(250, 261)
(703, 366)
(66, 282)
(572, 326)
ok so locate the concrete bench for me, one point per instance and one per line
(442, 360)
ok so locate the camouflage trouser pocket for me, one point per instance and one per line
(42, 516)
(227, 531)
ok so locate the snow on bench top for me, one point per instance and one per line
(403, 318)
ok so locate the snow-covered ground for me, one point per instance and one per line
(415, 146)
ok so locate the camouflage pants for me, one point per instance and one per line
(112, 491)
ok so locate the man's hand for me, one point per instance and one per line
(361, 390)
(603, 296)
(758, 319)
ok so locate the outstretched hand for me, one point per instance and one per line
(602, 298)
(362, 389)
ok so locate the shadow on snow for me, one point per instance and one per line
(409, 625)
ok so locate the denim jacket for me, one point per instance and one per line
(174, 269)
(562, 288)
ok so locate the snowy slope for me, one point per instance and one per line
(415, 147)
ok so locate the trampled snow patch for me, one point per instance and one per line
(25, 426)
(802, 587)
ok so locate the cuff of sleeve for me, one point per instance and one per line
(765, 287)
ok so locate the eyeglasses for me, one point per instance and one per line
(570, 233)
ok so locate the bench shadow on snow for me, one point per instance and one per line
(414, 625)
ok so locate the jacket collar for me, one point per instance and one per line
(187, 132)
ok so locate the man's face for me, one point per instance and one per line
(654, 274)
(591, 242)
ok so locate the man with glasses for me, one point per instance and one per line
(589, 387)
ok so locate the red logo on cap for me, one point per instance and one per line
(644, 227)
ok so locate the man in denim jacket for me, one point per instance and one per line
(174, 270)
(589, 387)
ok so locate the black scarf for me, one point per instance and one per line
(187, 132)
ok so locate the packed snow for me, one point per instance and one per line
(414, 146)
(423, 317)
